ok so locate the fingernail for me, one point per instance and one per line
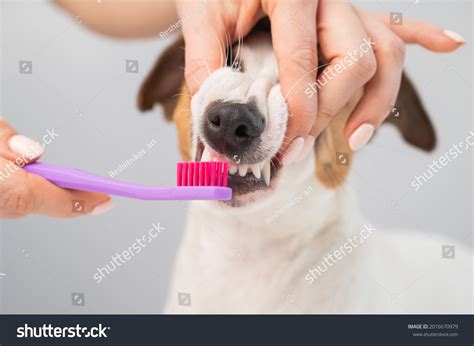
(361, 136)
(293, 151)
(455, 36)
(308, 146)
(25, 146)
(103, 208)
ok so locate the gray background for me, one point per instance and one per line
(80, 88)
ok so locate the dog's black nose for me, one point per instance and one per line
(233, 128)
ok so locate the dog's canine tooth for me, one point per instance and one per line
(232, 169)
(256, 170)
(266, 172)
(243, 170)
(206, 155)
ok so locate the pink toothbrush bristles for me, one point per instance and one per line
(202, 174)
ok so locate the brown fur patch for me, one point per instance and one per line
(332, 152)
(164, 80)
(182, 119)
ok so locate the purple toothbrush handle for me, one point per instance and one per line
(70, 178)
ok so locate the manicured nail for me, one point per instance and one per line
(455, 36)
(308, 146)
(293, 151)
(25, 146)
(361, 136)
(103, 208)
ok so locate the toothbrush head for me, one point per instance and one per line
(202, 174)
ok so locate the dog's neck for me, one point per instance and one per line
(230, 256)
(299, 209)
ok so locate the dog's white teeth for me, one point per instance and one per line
(206, 155)
(243, 170)
(260, 170)
(256, 170)
(266, 172)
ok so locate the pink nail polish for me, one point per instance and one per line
(103, 208)
(25, 146)
(454, 36)
(308, 146)
(293, 151)
(361, 136)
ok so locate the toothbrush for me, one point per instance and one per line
(195, 181)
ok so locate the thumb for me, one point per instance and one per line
(18, 148)
(22, 193)
(205, 42)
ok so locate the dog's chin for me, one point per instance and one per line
(247, 187)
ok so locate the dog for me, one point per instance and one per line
(267, 250)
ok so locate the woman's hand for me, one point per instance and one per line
(296, 28)
(22, 193)
(211, 25)
(380, 92)
(297, 25)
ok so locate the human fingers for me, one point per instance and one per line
(209, 28)
(22, 193)
(380, 93)
(348, 48)
(424, 34)
(293, 26)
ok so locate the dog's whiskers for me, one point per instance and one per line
(221, 48)
(237, 57)
(287, 96)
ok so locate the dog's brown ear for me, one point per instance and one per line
(333, 155)
(411, 119)
(163, 83)
(332, 152)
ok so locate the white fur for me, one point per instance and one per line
(232, 260)
(259, 81)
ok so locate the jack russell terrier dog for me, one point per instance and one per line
(291, 239)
